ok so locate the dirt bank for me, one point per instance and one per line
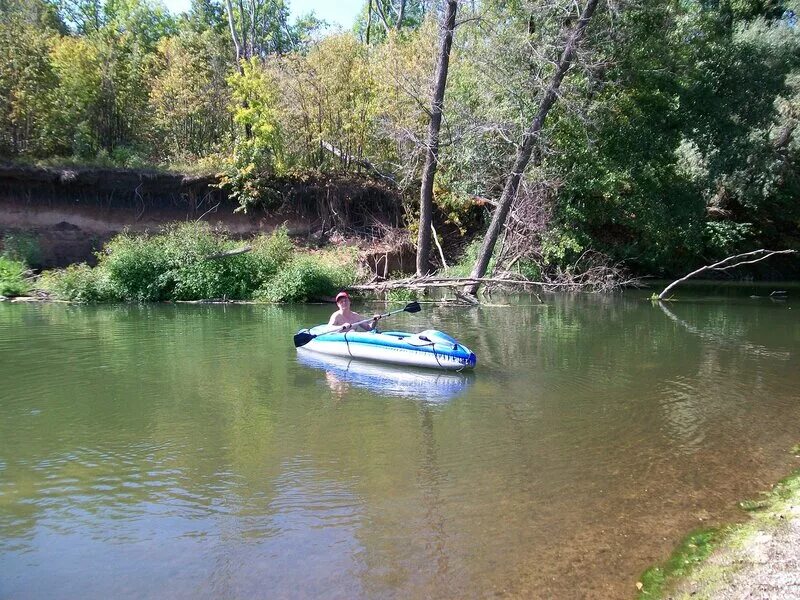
(72, 211)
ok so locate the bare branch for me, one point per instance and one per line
(728, 263)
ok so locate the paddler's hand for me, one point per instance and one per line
(346, 327)
(375, 319)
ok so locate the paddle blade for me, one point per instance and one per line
(302, 338)
(413, 307)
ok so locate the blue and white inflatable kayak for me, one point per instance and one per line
(430, 348)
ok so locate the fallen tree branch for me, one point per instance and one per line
(728, 263)
(428, 281)
(362, 162)
(241, 250)
(438, 245)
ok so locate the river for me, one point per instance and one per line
(186, 451)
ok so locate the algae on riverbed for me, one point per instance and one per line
(751, 555)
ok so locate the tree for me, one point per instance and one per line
(390, 15)
(259, 28)
(432, 144)
(525, 150)
(189, 94)
(327, 99)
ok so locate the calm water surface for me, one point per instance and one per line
(189, 452)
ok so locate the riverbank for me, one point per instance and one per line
(69, 212)
(759, 558)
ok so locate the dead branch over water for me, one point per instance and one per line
(747, 258)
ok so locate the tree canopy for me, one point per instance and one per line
(672, 142)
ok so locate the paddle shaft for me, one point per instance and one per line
(381, 316)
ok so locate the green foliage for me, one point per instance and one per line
(270, 253)
(530, 270)
(177, 264)
(463, 268)
(12, 277)
(402, 295)
(79, 283)
(725, 238)
(22, 247)
(258, 153)
(191, 123)
(675, 140)
(459, 209)
(173, 266)
(310, 276)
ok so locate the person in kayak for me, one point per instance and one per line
(344, 317)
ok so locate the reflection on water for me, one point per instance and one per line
(191, 452)
(387, 380)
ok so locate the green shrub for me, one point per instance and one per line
(12, 277)
(138, 267)
(22, 247)
(79, 283)
(723, 238)
(463, 268)
(530, 270)
(309, 276)
(271, 252)
(192, 276)
(402, 295)
(175, 265)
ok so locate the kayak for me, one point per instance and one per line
(395, 381)
(430, 348)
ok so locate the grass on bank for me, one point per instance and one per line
(13, 275)
(689, 564)
(175, 265)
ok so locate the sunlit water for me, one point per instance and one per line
(189, 452)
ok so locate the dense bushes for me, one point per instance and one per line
(175, 265)
(309, 276)
(12, 277)
(79, 283)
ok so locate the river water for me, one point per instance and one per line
(186, 451)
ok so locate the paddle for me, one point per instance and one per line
(302, 338)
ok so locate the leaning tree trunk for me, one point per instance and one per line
(432, 145)
(529, 140)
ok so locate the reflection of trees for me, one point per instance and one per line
(430, 477)
(720, 333)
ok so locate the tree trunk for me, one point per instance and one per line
(432, 145)
(401, 13)
(529, 140)
(369, 19)
(234, 37)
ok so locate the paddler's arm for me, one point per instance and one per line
(372, 325)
